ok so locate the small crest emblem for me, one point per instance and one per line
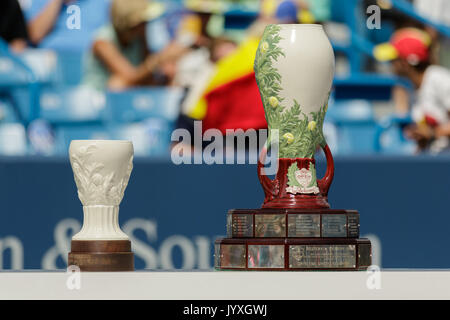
(302, 180)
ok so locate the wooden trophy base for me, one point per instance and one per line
(292, 254)
(102, 255)
(292, 240)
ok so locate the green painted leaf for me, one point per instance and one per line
(293, 119)
(292, 181)
(312, 168)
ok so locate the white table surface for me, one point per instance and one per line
(218, 285)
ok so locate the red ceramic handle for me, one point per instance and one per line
(268, 185)
(325, 183)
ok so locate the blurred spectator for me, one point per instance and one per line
(197, 66)
(297, 11)
(12, 25)
(119, 57)
(437, 11)
(315, 11)
(222, 47)
(287, 12)
(226, 96)
(202, 10)
(409, 51)
(64, 24)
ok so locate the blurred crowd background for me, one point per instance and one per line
(137, 69)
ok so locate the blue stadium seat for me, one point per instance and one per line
(331, 136)
(66, 133)
(387, 28)
(28, 71)
(389, 137)
(66, 104)
(13, 139)
(48, 67)
(346, 111)
(146, 117)
(15, 73)
(20, 69)
(356, 138)
(70, 67)
(43, 63)
(340, 10)
(392, 141)
(11, 74)
(7, 112)
(139, 104)
(150, 137)
(356, 126)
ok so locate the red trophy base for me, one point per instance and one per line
(102, 255)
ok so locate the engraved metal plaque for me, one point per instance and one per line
(303, 225)
(270, 225)
(353, 225)
(334, 225)
(241, 225)
(217, 255)
(232, 255)
(229, 226)
(266, 256)
(364, 255)
(322, 256)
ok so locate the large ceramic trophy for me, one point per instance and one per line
(101, 170)
(295, 229)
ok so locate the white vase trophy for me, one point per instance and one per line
(295, 229)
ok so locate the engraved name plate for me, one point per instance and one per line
(334, 225)
(241, 225)
(266, 256)
(229, 226)
(322, 256)
(217, 255)
(303, 225)
(364, 255)
(232, 255)
(353, 225)
(270, 225)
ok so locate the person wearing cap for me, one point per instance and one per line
(63, 25)
(409, 52)
(119, 57)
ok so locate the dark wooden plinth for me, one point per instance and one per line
(102, 255)
(236, 254)
(289, 239)
(292, 223)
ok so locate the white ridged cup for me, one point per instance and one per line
(101, 170)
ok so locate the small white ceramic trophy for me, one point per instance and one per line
(101, 170)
